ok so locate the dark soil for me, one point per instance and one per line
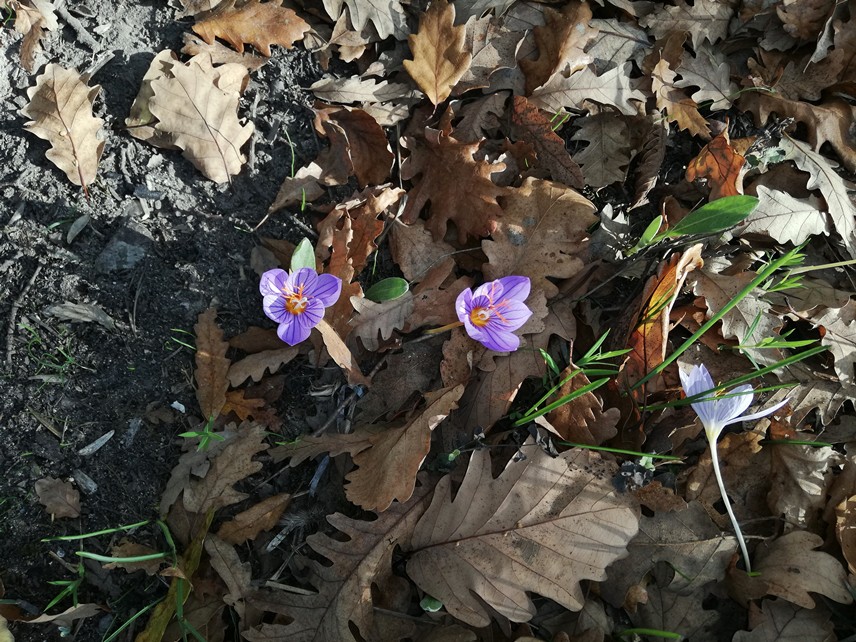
(64, 385)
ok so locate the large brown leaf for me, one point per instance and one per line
(439, 59)
(59, 497)
(256, 23)
(356, 137)
(60, 110)
(544, 525)
(541, 234)
(457, 185)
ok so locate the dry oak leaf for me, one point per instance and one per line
(544, 525)
(583, 419)
(845, 530)
(785, 218)
(359, 138)
(493, 47)
(800, 479)
(434, 298)
(790, 569)
(59, 497)
(780, 621)
(531, 126)
(616, 43)
(679, 108)
(256, 365)
(341, 354)
(439, 59)
(688, 540)
(260, 24)
(199, 112)
(710, 72)
(60, 110)
(614, 88)
(720, 165)
(304, 187)
(376, 321)
(386, 16)
(129, 548)
(32, 17)
(605, 159)
(541, 234)
(212, 366)
(346, 587)
(458, 187)
(236, 575)
(247, 407)
(414, 251)
(839, 335)
(358, 90)
(684, 615)
(805, 19)
(561, 41)
(221, 54)
(703, 20)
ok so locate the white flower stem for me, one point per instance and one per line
(714, 460)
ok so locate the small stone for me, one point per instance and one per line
(128, 246)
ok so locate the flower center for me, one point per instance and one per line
(296, 302)
(480, 316)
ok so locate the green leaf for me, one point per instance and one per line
(430, 604)
(714, 217)
(303, 257)
(387, 289)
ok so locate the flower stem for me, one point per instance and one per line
(714, 459)
(444, 328)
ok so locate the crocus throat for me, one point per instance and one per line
(295, 302)
(480, 316)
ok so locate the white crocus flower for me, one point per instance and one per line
(716, 412)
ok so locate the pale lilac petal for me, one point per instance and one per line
(514, 313)
(699, 381)
(757, 415)
(312, 314)
(706, 411)
(463, 304)
(498, 339)
(730, 406)
(272, 282)
(274, 307)
(326, 289)
(305, 277)
(492, 290)
(293, 332)
(480, 301)
(515, 288)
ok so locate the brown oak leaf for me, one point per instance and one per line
(59, 497)
(212, 366)
(679, 107)
(257, 518)
(358, 140)
(260, 24)
(720, 165)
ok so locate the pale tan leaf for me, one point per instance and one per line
(129, 548)
(544, 525)
(376, 321)
(613, 87)
(304, 187)
(685, 615)
(247, 524)
(59, 497)
(703, 20)
(789, 568)
(215, 490)
(234, 573)
(840, 337)
(785, 218)
(439, 58)
(212, 366)
(196, 109)
(256, 23)
(606, 157)
(221, 54)
(688, 540)
(386, 16)
(711, 74)
(541, 234)
(800, 479)
(66, 618)
(414, 251)
(778, 621)
(616, 43)
(387, 469)
(560, 41)
(356, 90)
(341, 354)
(845, 530)
(60, 112)
(140, 121)
(256, 365)
(832, 186)
(345, 596)
(680, 108)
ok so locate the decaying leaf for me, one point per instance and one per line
(212, 366)
(414, 251)
(679, 108)
(613, 87)
(341, 354)
(439, 59)
(32, 17)
(256, 365)
(248, 524)
(605, 158)
(260, 24)
(59, 497)
(541, 234)
(60, 112)
(129, 548)
(376, 321)
(543, 525)
(720, 165)
(359, 140)
(779, 621)
(583, 419)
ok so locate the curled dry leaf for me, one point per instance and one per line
(260, 517)
(341, 354)
(212, 366)
(358, 90)
(359, 139)
(582, 420)
(376, 321)
(221, 54)
(256, 23)
(439, 59)
(254, 366)
(59, 497)
(32, 17)
(544, 525)
(720, 165)
(60, 110)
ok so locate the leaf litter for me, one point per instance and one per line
(503, 139)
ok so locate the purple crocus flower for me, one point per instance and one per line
(296, 301)
(717, 412)
(494, 311)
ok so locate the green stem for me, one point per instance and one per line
(714, 460)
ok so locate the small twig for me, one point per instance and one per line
(82, 35)
(13, 314)
(251, 152)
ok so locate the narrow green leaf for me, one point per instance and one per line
(387, 289)
(303, 257)
(715, 217)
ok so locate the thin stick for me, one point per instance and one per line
(714, 459)
(13, 314)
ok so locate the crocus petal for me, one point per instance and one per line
(733, 403)
(326, 289)
(515, 288)
(757, 415)
(274, 307)
(272, 282)
(293, 332)
(480, 301)
(312, 314)
(463, 305)
(514, 313)
(499, 340)
(698, 381)
(305, 277)
(492, 290)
